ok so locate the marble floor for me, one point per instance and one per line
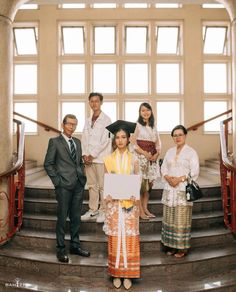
(27, 282)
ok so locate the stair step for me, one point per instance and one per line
(212, 164)
(47, 193)
(97, 242)
(33, 174)
(29, 281)
(200, 261)
(209, 176)
(48, 222)
(49, 205)
(30, 164)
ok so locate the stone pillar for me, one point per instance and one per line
(6, 132)
(6, 99)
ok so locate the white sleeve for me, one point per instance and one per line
(164, 168)
(105, 140)
(84, 139)
(194, 165)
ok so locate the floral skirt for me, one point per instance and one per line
(133, 258)
(176, 226)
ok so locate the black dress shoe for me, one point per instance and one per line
(62, 257)
(79, 251)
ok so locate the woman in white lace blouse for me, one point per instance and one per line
(179, 162)
(147, 146)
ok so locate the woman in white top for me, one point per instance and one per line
(147, 147)
(179, 162)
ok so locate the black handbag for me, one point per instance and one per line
(193, 191)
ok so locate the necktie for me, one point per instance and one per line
(72, 150)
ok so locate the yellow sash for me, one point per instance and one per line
(120, 164)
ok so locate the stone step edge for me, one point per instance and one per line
(50, 217)
(151, 201)
(51, 188)
(147, 260)
(46, 283)
(87, 237)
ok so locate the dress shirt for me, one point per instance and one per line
(67, 140)
(95, 138)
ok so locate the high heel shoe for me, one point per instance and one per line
(127, 284)
(117, 283)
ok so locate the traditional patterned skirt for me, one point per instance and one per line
(133, 258)
(150, 169)
(176, 226)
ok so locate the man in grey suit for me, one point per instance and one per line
(63, 164)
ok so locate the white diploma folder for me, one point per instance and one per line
(122, 186)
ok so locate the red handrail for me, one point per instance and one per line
(228, 179)
(45, 126)
(15, 178)
(196, 126)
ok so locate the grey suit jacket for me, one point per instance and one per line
(59, 165)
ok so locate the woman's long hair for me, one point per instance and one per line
(151, 119)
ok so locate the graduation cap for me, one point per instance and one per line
(121, 125)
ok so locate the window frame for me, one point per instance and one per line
(214, 99)
(178, 43)
(141, 25)
(62, 40)
(226, 46)
(94, 40)
(29, 25)
(22, 101)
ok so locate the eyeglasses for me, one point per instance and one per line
(71, 124)
(179, 135)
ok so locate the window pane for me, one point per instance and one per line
(25, 79)
(167, 40)
(109, 108)
(211, 109)
(167, 78)
(132, 110)
(136, 40)
(28, 109)
(104, 5)
(73, 40)
(214, 40)
(69, 6)
(104, 78)
(215, 78)
(104, 39)
(29, 6)
(135, 5)
(212, 5)
(165, 110)
(25, 41)
(168, 5)
(77, 109)
(136, 78)
(73, 78)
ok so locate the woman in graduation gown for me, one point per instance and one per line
(122, 216)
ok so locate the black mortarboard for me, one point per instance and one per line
(121, 125)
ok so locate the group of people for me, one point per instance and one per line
(134, 149)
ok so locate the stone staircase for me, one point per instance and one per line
(28, 262)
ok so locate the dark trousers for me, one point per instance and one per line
(69, 203)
